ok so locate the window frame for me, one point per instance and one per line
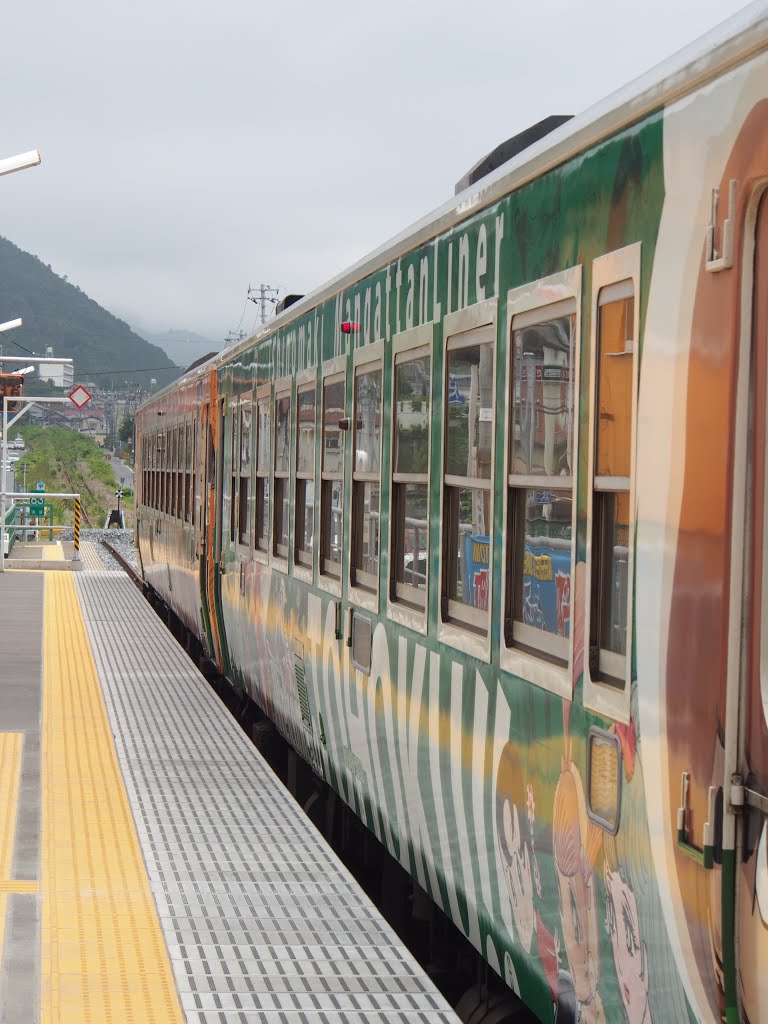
(180, 456)
(232, 414)
(244, 546)
(165, 471)
(530, 304)
(278, 554)
(188, 509)
(364, 360)
(450, 631)
(611, 269)
(305, 570)
(331, 371)
(406, 346)
(261, 554)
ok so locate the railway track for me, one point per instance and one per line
(75, 489)
(133, 574)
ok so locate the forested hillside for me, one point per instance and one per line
(59, 314)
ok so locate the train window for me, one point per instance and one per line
(157, 485)
(244, 460)
(188, 473)
(467, 476)
(304, 526)
(610, 510)
(263, 451)
(180, 456)
(541, 481)
(153, 470)
(234, 465)
(165, 454)
(172, 436)
(280, 529)
(170, 466)
(613, 386)
(412, 402)
(332, 476)
(366, 471)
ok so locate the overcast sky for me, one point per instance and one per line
(191, 149)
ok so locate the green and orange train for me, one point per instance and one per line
(481, 525)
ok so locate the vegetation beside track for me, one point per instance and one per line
(68, 461)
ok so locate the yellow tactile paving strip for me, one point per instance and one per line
(103, 956)
(52, 552)
(91, 558)
(11, 747)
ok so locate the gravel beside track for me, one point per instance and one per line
(120, 539)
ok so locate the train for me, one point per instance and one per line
(480, 526)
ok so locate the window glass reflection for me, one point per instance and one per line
(333, 411)
(413, 528)
(543, 372)
(305, 425)
(469, 567)
(614, 388)
(412, 404)
(542, 583)
(282, 434)
(469, 427)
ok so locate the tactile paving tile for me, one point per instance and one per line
(261, 919)
(93, 562)
(103, 956)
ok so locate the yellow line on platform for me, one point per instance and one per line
(18, 886)
(11, 744)
(103, 954)
(53, 552)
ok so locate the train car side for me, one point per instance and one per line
(479, 531)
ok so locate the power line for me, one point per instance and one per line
(134, 369)
(261, 296)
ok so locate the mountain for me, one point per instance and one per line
(182, 347)
(59, 314)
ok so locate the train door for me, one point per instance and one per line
(206, 525)
(750, 788)
(222, 526)
(211, 528)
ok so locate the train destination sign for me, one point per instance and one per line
(80, 396)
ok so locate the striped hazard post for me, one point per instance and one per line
(76, 555)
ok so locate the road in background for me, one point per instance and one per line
(123, 472)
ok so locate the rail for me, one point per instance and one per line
(132, 573)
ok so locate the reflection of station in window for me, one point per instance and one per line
(477, 568)
(415, 570)
(336, 524)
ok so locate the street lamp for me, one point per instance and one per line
(20, 162)
(10, 324)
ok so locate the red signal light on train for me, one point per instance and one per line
(350, 327)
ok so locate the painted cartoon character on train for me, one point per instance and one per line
(577, 841)
(517, 833)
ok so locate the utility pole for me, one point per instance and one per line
(233, 337)
(266, 293)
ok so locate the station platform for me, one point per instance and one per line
(41, 555)
(152, 867)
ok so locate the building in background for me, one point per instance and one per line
(61, 375)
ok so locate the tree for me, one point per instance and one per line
(125, 433)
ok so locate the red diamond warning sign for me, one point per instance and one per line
(80, 396)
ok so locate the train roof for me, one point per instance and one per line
(729, 44)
